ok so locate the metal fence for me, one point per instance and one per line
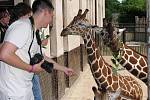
(134, 32)
(135, 36)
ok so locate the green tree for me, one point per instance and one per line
(134, 7)
(112, 6)
(127, 8)
(131, 8)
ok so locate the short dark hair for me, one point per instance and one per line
(41, 4)
(19, 10)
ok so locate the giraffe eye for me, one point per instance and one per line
(81, 24)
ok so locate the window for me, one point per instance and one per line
(6, 2)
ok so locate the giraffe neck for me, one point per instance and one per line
(92, 51)
(135, 63)
(99, 68)
(103, 76)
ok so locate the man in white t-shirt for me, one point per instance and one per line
(15, 71)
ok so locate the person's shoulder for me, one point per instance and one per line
(21, 23)
(24, 21)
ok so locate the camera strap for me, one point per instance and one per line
(39, 40)
(37, 37)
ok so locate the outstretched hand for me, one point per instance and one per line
(68, 71)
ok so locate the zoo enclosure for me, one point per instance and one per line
(135, 36)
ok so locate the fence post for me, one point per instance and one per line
(124, 37)
(148, 32)
(148, 67)
(148, 54)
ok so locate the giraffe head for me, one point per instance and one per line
(111, 95)
(110, 29)
(110, 33)
(111, 37)
(79, 25)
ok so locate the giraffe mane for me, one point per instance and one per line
(135, 51)
(110, 29)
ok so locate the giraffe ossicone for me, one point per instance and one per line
(100, 69)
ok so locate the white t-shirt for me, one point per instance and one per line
(16, 83)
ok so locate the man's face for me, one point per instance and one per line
(48, 18)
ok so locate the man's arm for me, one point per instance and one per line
(0, 45)
(67, 71)
(7, 55)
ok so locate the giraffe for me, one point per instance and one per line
(100, 69)
(111, 95)
(131, 60)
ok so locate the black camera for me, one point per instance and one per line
(45, 65)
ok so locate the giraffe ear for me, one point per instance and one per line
(95, 90)
(84, 14)
(110, 28)
(121, 30)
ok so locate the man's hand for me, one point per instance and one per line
(68, 71)
(37, 67)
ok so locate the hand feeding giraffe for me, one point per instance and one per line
(101, 70)
(133, 61)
